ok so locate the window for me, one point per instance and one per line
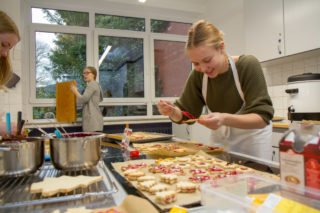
(59, 57)
(139, 59)
(120, 22)
(121, 67)
(171, 66)
(169, 27)
(60, 17)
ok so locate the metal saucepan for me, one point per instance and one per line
(21, 156)
(81, 150)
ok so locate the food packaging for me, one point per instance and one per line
(300, 156)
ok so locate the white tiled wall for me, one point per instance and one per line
(277, 76)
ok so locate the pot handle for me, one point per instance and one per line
(292, 91)
(7, 149)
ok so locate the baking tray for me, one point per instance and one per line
(131, 189)
(176, 148)
(150, 137)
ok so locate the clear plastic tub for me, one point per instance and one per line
(253, 193)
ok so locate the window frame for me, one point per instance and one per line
(92, 35)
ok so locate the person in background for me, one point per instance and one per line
(9, 37)
(92, 119)
(232, 88)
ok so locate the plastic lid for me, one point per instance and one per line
(304, 77)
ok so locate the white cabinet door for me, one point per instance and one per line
(264, 28)
(302, 25)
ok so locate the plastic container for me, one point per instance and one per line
(253, 193)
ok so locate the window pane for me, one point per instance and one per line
(118, 111)
(59, 57)
(121, 69)
(172, 68)
(60, 17)
(49, 112)
(169, 27)
(40, 112)
(155, 110)
(120, 22)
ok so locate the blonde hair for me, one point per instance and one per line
(93, 70)
(204, 33)
(7, 25)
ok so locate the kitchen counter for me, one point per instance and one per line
(282, 124)
(112, 153)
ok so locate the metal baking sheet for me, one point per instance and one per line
(155, 137)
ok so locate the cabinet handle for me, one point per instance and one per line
(279, 44)
(279, 49)
(292, 91)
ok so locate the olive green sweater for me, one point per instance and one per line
(222, 94)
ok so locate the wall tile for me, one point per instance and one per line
(311, 68)
(277, 75)
(4, 97)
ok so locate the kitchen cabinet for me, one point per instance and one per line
(275, 28)
(264, 32)
(301, 23)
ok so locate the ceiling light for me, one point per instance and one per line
(142, 1)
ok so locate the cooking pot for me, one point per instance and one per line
(21, 156)
(303, 93)
(77, 151)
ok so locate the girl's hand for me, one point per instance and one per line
(212, 120)
(74, 88)
(165, 107)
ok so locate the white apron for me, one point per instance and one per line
(254, 142)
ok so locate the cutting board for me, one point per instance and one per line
(65, 102)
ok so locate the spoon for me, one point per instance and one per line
(44, 132)
(51, 115)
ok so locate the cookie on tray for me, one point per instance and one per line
(53, 185)
(146, 185)
(169, 178)
(159, 187)
(127, 172)
(135, 175)
(186, 187)
(183, 159)
(166, 197)
(146, 178)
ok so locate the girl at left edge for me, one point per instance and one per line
(9, 37)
